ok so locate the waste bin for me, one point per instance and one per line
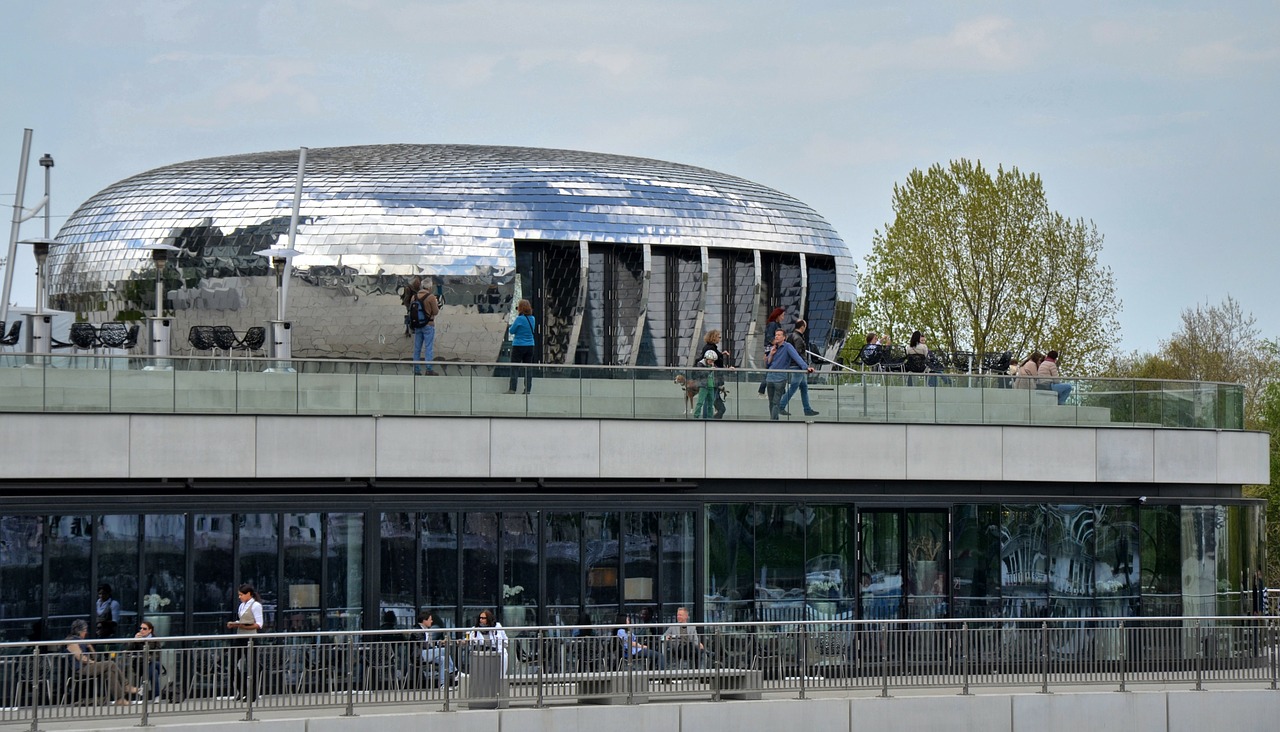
(486, 687)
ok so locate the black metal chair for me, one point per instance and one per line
(962, 362)
(253, 340)
(870, 357)
(895, 358)
(200, 338)
(14, 331)
(131, 338)
(112, 335)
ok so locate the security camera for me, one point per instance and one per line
(1142, 499)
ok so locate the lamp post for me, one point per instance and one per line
(158, 336)
(280, 342)
(38, 338)
(46, 162)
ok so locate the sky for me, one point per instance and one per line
(1155, 120)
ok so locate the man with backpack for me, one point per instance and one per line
(422, 321)
(799, 380)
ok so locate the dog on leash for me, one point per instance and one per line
(691, 388)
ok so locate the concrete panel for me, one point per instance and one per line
(1244, 710)
(1244, 457)
(828, 715)
(417, 447)
(641, 449)
(1105, 710)
(1050, 453)
(757, 449)
(429, 717)
(858, 451)
(307, 447)
(64, 446)
(944, 452)
(1126, 455)
(192, 446)
(989, 713)
(1186, 456)
(544, 448)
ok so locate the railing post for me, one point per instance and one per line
(1199, 658)
(542, 661)
(251, 680)
(802, 658)
(964, 657)
(147, 691)
(350, 643)
(716, 665)
(1124, 654)
(1271, 627)
(1044, 656)
(884, 661)
(36, 690)
(450, 650)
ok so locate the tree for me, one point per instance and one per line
(983, 264)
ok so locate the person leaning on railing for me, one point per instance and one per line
(85, 666)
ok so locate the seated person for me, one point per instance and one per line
(682, 641)
(434, 648)
(85, 666)
(488, 635)
(633, 648)
(147, 657)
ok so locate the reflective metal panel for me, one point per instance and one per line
(375, 216)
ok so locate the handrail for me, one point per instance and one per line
(113, 383)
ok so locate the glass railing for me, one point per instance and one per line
(140, 385)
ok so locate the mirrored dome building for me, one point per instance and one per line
(627, 261)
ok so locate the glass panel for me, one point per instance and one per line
(165, 572)
(301, 572)
(1024, 565)
(927, 564)
(21, 578)
(70, 597)
(1229, 533)
(830, 557)
(564, 567)
(1070, 543)
(117, 537)
(1199, 560)
(779, 530)
(730, 562)
(600, 532)
(481, 581)
(640, 587)
(677, 563)
(259, 552)
(880, 580)
(1116, 567)
(213, 597)
(396, 538)
(519, 568)
(1161, 552)
(344, 597)
(440, 566)
(976, 562)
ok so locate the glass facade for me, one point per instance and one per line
(762, 560)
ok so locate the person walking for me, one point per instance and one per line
(771, 328)
(422, 319)
(781, 358)
(799, 381)
(522, 329)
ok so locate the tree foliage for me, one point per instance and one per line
(982, 264)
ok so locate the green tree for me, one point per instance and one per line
(983, 264)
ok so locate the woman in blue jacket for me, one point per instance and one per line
(521, 331)
(781, 358)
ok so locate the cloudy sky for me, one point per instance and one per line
(1157, 120)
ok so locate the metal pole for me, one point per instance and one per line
(542, 661)
(18, 196)
(1271, 626)
(147, 659)
(1124, 653)
(803, 656)
(449, 651)
(884, 662)
(351, 677)
(35, 686)
(1044, 656)
(964, 657)
(1199, 659)
(251, 688)
(282, 304)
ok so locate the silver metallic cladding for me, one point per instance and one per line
(374, 216)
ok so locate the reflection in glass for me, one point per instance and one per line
(640, 536)
(927, 564)
(259, 550)
(1117, 563)
(779, 530)
(976, 582)
(1069, 533)
(302, 545)
(831, 584)
(70, 596)
(1161, 560)
(730, 562)
(564, 567)
(1229, 529)
(345, 570)
(396, 561)
(213, 595)
(1024, 565)
(21, 577)
(117, 540)
(439, 591)
(677, 562)
(600, 533)
(880, 578)
(1199, 560)
(481, 580)
(165, 571)
(519, 568)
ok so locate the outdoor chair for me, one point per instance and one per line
(253, 340)
(200, 338)
(113, 335)
(14, 330)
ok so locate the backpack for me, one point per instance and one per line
(417, 315)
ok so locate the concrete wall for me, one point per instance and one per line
(178, 446)
(1142, 711)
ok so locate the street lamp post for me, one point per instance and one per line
(158, 326)
(39, 328)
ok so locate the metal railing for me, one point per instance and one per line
(590, 664)
(140, 385)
